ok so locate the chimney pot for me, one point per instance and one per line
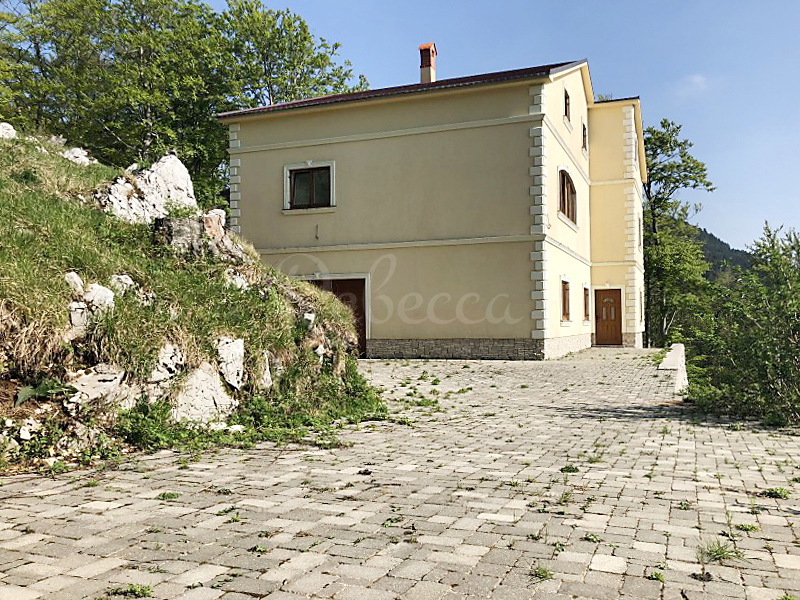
(427, 63)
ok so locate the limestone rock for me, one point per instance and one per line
(231, 360)
(98, 298)
(202, 397)
(214, 224)
(122, 283)
(7, 131)
(170, 361)
(228, 250)
(75, 283)
(169, 180)
(264, 381)
(56, 140)
(28, 428)
(78, 321)
(183, 235)
(309, 319)
(79, 156)
(150, 194)
(100, 384)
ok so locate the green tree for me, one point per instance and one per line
(130, 79)
(748, 354)
(6, 62)
(674, 263)
(277, 59)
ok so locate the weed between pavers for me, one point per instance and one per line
(777, 492)
(541, 573)
(656, 576)
(133, 590)
(167, 496)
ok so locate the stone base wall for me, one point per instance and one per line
(632, 340)
(555, 347)
(483, 348)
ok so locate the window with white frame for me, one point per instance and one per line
(309, 185)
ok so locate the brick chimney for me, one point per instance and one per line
(427, 63)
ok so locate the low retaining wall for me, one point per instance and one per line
(675, 360)
(483, 348)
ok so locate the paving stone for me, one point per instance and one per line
(448, 509)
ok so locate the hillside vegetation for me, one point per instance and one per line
(47, 228)
(720, 256)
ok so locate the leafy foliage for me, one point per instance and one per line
(747, 347)
(673, 256)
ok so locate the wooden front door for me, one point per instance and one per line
(608, 317)
(352, 293)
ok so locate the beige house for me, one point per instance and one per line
(492, 216)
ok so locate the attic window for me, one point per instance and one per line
(584, 137)
(309, 185)
(566, 105)
(567, 199)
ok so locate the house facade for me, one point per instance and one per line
(494, 216)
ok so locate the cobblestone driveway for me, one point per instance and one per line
(581, 477)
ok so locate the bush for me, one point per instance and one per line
(746, 358)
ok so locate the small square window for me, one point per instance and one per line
(309, 185)
(310, 188)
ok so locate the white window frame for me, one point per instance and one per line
(309, 164)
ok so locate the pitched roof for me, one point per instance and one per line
(456, 82)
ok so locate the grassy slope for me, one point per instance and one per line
(43, 236)
(45, 232)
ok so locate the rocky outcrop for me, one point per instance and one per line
(89, 303)
(150, 194)
(231, 360)
(202, 397)
(100, 386)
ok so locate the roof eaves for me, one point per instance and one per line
(627, 99)
(443, 84)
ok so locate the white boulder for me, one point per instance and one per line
(7, 131)
(202, 397)
(150, 194)
(170, 361)
(101, 383)
(98, 298)
(264, 381)
(231, 360)
(75, 283)
(79, 156)
(122, 283)
(78, 321)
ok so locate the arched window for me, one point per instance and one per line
(567, 201)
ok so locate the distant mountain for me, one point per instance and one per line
(718, 253)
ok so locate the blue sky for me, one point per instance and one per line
(726, 70)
